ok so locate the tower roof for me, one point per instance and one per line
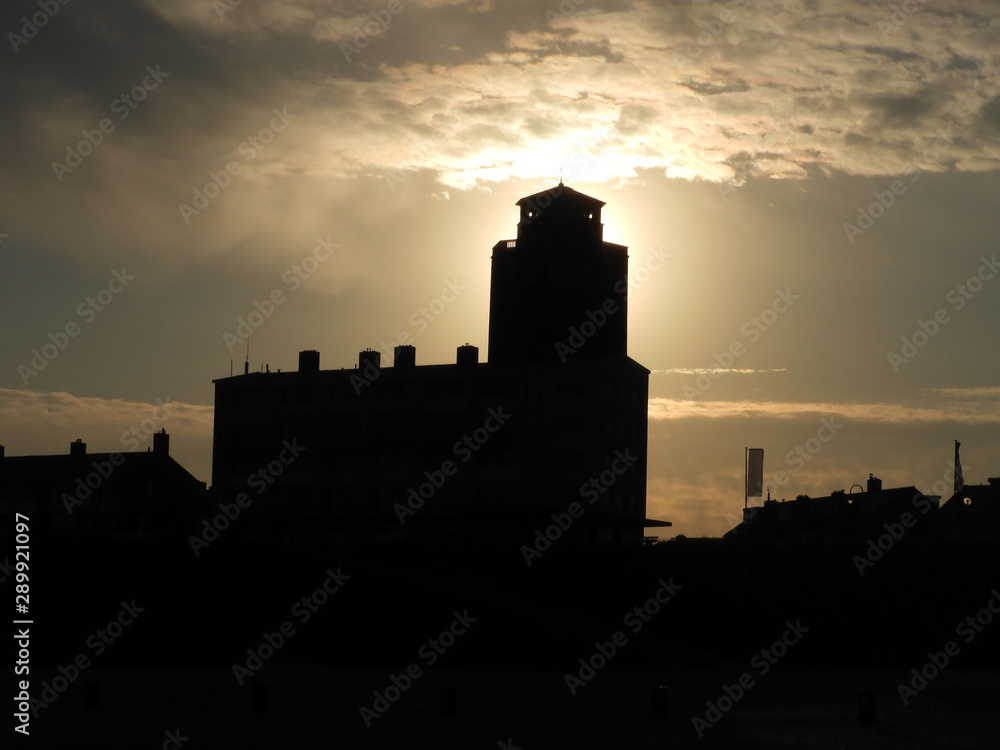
(560, 194)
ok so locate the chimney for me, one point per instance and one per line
(78, 448)
(369, 359)
(161, 442)
(468, 355)
(874, 483)
(309, 361)
(1, 451)
(404, 357)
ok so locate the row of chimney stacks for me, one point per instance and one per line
(404, 358)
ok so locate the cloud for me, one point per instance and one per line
(713, 371)
(498, 91)
(987, 392)
(36, 423)
(968, 412)
(472, 95)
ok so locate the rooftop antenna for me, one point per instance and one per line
(560, 176)
(246, 363)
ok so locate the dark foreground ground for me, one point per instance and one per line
(490, 640)
(311, 707)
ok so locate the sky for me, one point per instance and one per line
(808, 192)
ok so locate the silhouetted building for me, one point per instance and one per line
(838, 518)
(109, 495)
(483, 452)
(973, 512)
(557, 277)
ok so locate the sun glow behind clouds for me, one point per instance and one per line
(587, 156)
(717, 91)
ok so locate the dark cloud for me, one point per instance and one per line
(713, 88)
(903, 110)
(892, 53)
(989, 116)
(958, 62)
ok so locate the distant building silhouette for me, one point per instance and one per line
(838, 518)
(482, 452)
(973, 512)
(108, 495)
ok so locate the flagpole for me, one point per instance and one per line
(959, 475)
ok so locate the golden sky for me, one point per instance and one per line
(804, 188)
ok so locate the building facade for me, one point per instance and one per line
(486, 452)
(103, 495)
